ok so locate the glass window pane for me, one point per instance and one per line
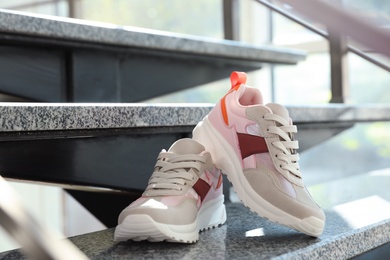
(55, 7)
(287, 32)
(201, 17)
(49, 9)
(214, 91)
(13, 3)
(308, 82)
(368, 83)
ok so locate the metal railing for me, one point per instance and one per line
(322, 33)
(36, 240)
(339, 23)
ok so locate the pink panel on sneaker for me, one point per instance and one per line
(236, 112)
(253, 129)
(288, 188)
(265, 160)
(228, 133)
(236, 115)
(249, 162)
(251, 97)
(215, 173)
(213, 178)
(207, 177)
(173, 201)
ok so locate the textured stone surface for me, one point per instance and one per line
(50, 116)
(247, 236)
(33, 117)
(104, 33)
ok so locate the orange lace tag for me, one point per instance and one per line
(237, 78)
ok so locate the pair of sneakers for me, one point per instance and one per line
(253, 144)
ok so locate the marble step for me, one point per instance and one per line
(83, 142)
(71, 60)
(84, 31)
(358, 221)
(36, 117)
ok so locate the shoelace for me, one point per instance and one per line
(287, 146)
(172, 172)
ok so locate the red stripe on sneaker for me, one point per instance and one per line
(202, 188)
(251, 144)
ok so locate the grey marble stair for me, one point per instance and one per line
(96, 148)
(83, 142)
(70, 60)
(358, 220)
(29, 117)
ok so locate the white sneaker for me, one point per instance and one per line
(254, 145)
(184, 196)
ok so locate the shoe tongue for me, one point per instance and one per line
(279, 110)
(186, 146)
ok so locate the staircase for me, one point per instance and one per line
(67, 60)
(106, 150)
(358, 220)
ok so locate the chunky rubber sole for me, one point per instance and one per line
(226, 159)
(143, 227)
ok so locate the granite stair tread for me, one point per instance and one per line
(70, 29)
(21, 117)
(102, 135)
(72, 60)
(358, 220)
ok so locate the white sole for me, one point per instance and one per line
(143, 227)
(225, 159)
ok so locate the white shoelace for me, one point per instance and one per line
(288, 156)
(172, 172)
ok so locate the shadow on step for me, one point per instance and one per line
(245, 236)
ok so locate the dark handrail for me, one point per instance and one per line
(323, 33)
(37, 242)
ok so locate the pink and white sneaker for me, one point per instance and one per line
(253, 144)
(183, 197)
